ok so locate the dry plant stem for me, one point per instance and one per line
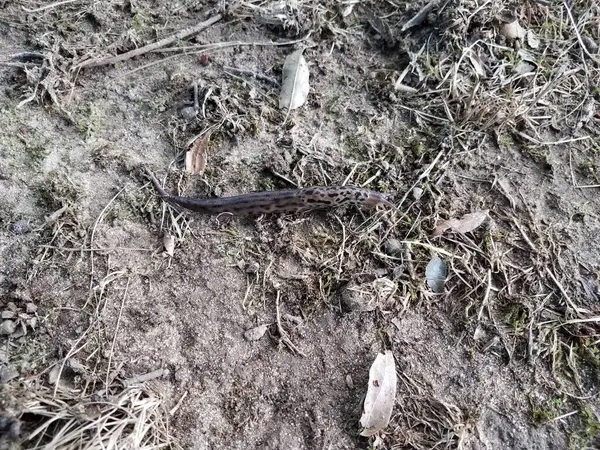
(282, 333)
(112, 346)
(145, 377)
(257, 75)
(420, 16)
(565, 294)
(50, 6)
(193, 49)
(100, 217)
(487, 294)
(182, 34)
(581, 44)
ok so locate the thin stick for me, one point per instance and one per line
(583, 47)
(145, 377)
(257, 75)
(564, 292)
(284, 336)
(51, 5)
(487, 294)
(112, 346)
(182, 34)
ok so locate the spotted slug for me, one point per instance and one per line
(286, 200)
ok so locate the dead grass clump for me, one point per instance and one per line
(135, 418)
(423, 422)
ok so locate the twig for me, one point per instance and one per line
(581, 43)
(487, 294)
(100, 217)
(284, 336)
(176, 407)
(182, 34)
(112, 346)
(257, 75)
(562, 141)
(51, 5)
(145, 377)
(192, 49)
(420, 16)
(564, 293)
(525, 237)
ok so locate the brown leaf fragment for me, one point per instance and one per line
(466, 223)
(196, 156)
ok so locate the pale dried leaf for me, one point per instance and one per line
(53, 375)
(381, 394)
(347, 10)
(254, 334)
(435, 274)
(477, 64)
(466, 223)
(169, 244)
(532, 40)
(196, 156)
(295, 81)
(513, 30)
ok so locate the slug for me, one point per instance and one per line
(286, 200)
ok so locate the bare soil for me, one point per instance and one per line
(507, 357)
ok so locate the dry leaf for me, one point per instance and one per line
(347, 10)
(435, 274)
(254, 334)
(295, 84)
(532, 40)
(169, 244)
(466, 223)
(381, 394)
(195, 157)
(477, 64)
(513, 30)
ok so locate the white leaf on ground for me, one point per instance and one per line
(169, 244)
(381, 394)
(466, 223)
(532, 40)
(435, 273)
(295, 81)
(513, 30)
(254, 334)
(477, 64)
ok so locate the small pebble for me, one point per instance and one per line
(20, 227)
(30, 308)
(8, 327)
(8, 315)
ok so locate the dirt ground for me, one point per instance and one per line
(487, 107)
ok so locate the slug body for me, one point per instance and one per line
(287, 200)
